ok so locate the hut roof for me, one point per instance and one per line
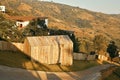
(48, 40)
(26, 18)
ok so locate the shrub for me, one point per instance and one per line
(100, 43)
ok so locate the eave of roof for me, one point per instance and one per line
(26, 18)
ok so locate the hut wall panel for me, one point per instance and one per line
(34, 56)
(40, 55)
(27, 48)
(54, 55)
(66, 51)
(68, 61)
(54, 51)
(70, 54)
(51, 55)
(45, 54)
(57, 56)
(61, 54)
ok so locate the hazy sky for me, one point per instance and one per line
(104, 6)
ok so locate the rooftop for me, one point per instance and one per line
(26, 18)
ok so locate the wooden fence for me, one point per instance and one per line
(11, 46)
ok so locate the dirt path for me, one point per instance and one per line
(8, 73)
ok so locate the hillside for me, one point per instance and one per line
(86, 24)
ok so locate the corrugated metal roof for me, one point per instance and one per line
(49, 40)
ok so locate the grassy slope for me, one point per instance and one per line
(69, 18)
(19, 60)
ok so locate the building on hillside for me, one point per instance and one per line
(23, 21)
(2, 9)
(50, 49)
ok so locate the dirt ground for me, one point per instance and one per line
(111, 73)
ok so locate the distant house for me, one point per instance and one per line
(2, 8)
(23, 21)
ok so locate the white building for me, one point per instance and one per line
(23, 21)
(22, 24)
(2, 8)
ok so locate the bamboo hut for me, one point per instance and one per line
(50, 49)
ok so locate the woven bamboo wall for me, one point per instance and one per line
(27, 48)
(50, 49)
(11, 46)
(66, 50)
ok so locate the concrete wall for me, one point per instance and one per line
(24, 23)
(2, 8)
(81, 56)
(11, 46)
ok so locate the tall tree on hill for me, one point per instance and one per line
(112, 49)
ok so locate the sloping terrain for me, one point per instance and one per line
(85, 23)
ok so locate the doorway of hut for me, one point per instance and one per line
(21, 25)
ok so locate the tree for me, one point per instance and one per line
(100, 44)
(112, 49)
